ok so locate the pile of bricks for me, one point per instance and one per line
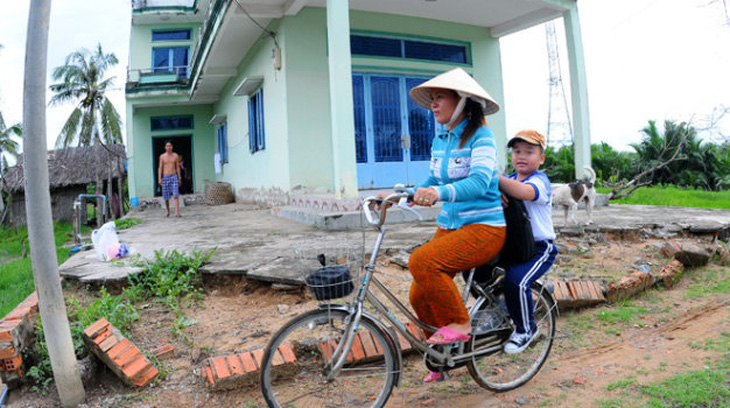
(119, 354)
(242, 369)
(16, 333)
(574, 294)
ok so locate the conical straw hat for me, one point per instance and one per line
(458, 80)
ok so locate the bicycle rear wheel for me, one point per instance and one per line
(365, 380)
(498, 371)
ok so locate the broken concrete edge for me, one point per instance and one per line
(122, 356)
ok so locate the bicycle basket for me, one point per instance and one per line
(330, 282)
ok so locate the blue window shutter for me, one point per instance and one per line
(420, 125)
(435, 51)
(386, 118)
(256, 135)
(223, 142)
(170, 35)
(379, 46)
(359, 108)
(371, 45)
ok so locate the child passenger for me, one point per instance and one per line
(533, 187)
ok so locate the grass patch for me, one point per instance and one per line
(711, 281)
(125, 223)
(702, 388)
(16, 272)
(675, 197)
(621, 384)
(622, 313)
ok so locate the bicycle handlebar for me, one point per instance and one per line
(401, 196)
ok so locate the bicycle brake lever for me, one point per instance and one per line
(403, 203)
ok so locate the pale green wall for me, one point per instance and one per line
(297, 115)
(305, 64)
(203, 147)
(266, 168)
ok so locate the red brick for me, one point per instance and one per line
(235, 364)
(7, 329)
(369, 345)
(102, 336)
(18, 313)
(93, 330)
(208, 373)
(378, 349)
(414, 330)
(573, 292)
(12, 364)
(287, 352)
(107, 341)
(134, 366)
(277, 359)
(119, 348)
(126, 356)
(220, 368)
(248, 362)
(258, 355)
(8, 352)
(357, 349)
(164, 351)
(327, 349)
(146, 376)
(404, 344)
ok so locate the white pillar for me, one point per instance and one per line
(578, 90)
(342, 117)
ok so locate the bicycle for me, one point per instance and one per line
(330, 372)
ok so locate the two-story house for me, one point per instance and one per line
(292, 99)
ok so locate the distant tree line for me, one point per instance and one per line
(695, 164)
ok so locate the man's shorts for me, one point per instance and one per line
(169, 187)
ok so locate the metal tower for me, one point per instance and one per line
(559, 125)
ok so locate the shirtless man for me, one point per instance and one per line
(168, 176)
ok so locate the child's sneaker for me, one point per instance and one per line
(518, 342)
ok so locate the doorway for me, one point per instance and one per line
(393, 134)
(182, 145)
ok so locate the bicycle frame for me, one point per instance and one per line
(365, 294)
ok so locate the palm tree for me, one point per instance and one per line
(7, 144)
(95, 120)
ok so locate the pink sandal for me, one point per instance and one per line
(446, 335)
(433, 376)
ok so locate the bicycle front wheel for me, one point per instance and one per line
(365, 380)
(498, 371)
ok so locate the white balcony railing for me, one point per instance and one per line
(158, 76)
(143, 4)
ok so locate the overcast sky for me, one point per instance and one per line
(645, 59)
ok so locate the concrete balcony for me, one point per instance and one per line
(157, 78)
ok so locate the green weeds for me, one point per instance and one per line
(125, 223)
(166, 279)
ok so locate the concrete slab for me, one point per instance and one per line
(254, 242)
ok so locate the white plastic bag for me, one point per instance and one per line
(103, 238)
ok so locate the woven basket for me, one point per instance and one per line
(218, 193)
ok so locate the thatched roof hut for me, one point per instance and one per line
(74, 166)
(70, 170)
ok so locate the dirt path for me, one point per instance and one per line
(663, 335)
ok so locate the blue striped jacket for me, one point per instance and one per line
(466, 178)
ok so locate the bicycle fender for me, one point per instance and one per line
(387, 333)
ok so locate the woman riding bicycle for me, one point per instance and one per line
(471, 226)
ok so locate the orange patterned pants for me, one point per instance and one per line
(434, 295)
